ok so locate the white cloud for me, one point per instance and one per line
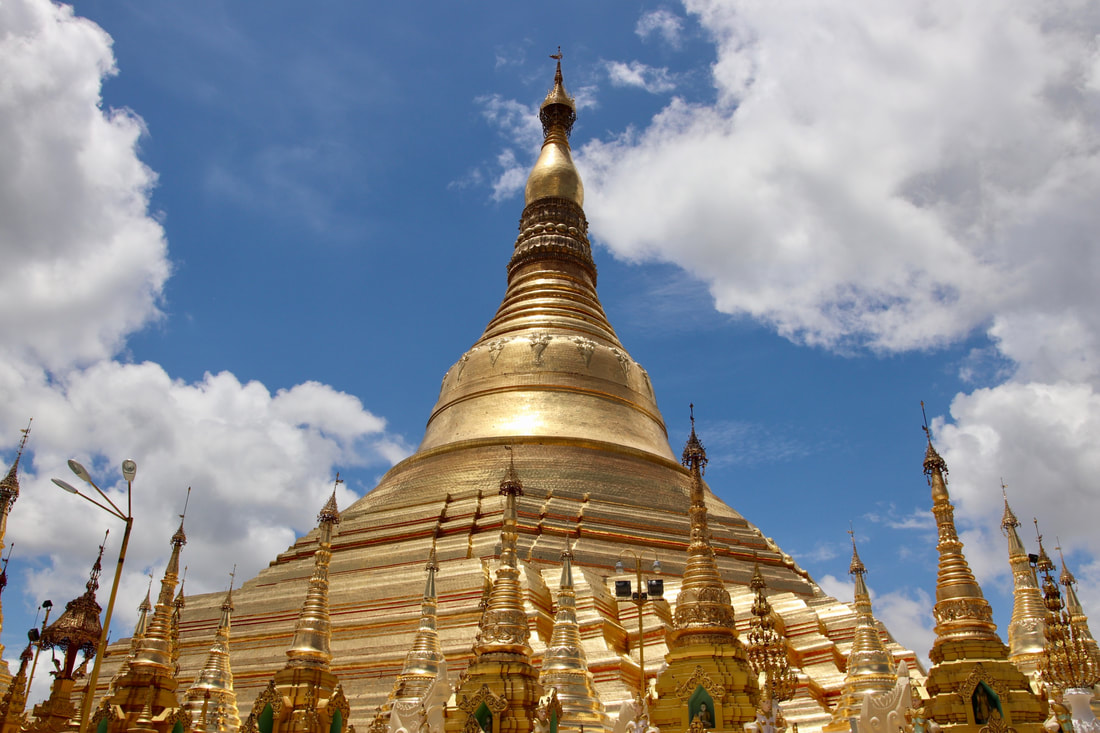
(908, 617)
(662, 23)
(84, 263)
(896, 176)
(85, 266)
(637, 74)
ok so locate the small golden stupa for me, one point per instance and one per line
(870, 666)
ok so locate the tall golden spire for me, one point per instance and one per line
(424, 662)
(310, 647)
(144, 696)
(870, 666)
(305, 696)
(1075, 610)
(703, 607)
(501, 687)
(9, 492)
(961, 611)
(211, 699)
(13, 706)
(564, 664)
(1026, 639)
(174, 627)
(704, 652)
(971, 684)
(156, 647)
(142, 624)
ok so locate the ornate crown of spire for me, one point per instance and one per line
(1025, 631)
(9, 485)
(554, 175)
(79, 626)
(1068, 661)
(211, 700)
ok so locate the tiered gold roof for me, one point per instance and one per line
(1067, 661)
(13, 706)
(870, 665)
(971, 683)
(1026, 629)
(549, 377)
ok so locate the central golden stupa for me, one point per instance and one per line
(549, 379)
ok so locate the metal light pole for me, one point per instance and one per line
(36, 638)
(129, 469)
(639, 597)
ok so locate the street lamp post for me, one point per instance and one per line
(36, 638)
(129, 470)
(656, 590)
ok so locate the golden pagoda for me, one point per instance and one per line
(971, 686)
(499, 691)
(707, 675)
(75, 632)
(211, 699)
(870, 666)
(1075, 610)
(769, 658)
(550, 377)
(144, 697)
(1026, 638)
(564, 665)
(305, 696)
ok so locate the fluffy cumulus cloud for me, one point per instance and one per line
(85, 265)
(895, 176)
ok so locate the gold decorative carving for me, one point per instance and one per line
(539, 341)
(495, 347)
(586, 346)
(700, 677)
(495, 703)
(979, 674)
(996, 724)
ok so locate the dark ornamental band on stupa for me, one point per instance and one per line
(544, 462)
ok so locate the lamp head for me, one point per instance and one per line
(618, 563)
(65, 485)
(80, 471)
(47, 603)
(657, 566)
(129, 469)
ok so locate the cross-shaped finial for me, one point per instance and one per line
(186, 501)
(556, 56)
(26, 432)
(338, 481)
(232, 576)
(924, 427)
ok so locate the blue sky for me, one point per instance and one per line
(246, 241)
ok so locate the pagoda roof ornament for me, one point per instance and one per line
(554, 175)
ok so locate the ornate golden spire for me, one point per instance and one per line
(310, 647)
(142, 624)
(703, 606)
(564, 664)
(174, 627)
(1075, 610)
(767, 649)
(870, 666)
(424, 661)
(554, 175)
(211, 699)
(1068, 662)
(504, 622)
(961, 611)
(9, 485)
(155, 649)
(1026, 639)
(13, 706)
